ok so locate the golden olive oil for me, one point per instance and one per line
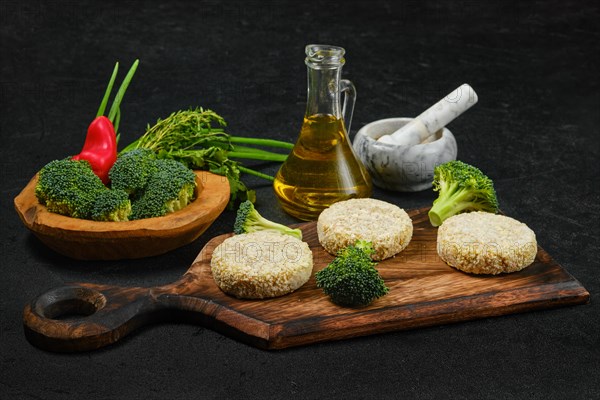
(320, 170)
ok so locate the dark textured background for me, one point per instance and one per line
(534, 131)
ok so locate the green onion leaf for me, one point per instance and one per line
(255, 173)
(108, 90)
(262, 142)
(116, 124)
(119, 96)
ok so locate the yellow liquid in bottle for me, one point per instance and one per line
(321, 170)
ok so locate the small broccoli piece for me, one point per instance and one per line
(351, 279)
(132, 170)
(462, 187)
(249, 220)
(68, 187)
(111, 205)
(170, 188)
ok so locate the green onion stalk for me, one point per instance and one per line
(197, 138)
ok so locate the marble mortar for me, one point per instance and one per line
(398, 167)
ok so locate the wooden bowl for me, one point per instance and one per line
(92, 240)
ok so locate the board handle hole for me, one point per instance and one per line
(70, 303)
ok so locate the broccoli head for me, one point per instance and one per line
(68, 187)
(170, 188)
(462, 187)
(143, 187)
(249, 220)
(111, 205)
(351, 279)
(132, 170)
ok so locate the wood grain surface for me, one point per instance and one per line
(424, 291)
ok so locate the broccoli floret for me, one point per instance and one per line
(132, 170)
(111, 205)
(71, 188)
(68, 187)
(170, 188)
(351, 279)
(249, 220)
(462, 187)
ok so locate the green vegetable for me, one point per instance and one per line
(196, 138)
(68, 187)
(169, 189)
(111, 205)
(132, 170)
(115, 107)
(462, 187)
(114, 114)
(351, 279)
(111, 83)
(249, 220)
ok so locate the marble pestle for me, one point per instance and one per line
(423, 128)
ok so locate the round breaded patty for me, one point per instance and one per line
(386, 226)
(261, 264)
(485, 243)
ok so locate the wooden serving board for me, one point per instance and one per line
(424, 291)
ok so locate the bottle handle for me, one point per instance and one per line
(349, 100)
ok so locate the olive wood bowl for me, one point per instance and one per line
(95, 240)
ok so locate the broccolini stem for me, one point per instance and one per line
(255, 173)
(446, 206)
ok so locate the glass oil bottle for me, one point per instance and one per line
(322, 167)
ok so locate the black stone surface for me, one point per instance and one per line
(535, 131)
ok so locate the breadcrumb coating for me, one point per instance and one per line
(486, 243)
(386, 226)
(261, 264)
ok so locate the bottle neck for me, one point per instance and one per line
(323, 95)
(324, 64)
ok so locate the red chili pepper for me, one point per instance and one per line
(100, 147)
